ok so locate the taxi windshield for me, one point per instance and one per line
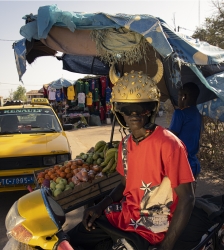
(28, 120)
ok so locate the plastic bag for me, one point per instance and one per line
(15, 245)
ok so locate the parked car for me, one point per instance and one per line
(31, 138)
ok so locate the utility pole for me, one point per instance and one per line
(174, 21)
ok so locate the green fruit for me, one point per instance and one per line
(98, 145)
(110, 151)
(101, 155)
(63, 181)
(89, 160)
(57, 192)
(84, 157)
(53, 185)
(99, 161)
(60, 186)
(109, 165)
(58, 179)
(68, 187)
(95, 156)
(71, 184)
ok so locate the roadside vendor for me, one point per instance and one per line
(152, 205)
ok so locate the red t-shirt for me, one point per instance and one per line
(155, 167)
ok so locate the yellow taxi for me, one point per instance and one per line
(31, 138)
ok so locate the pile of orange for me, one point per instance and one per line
(66, 170)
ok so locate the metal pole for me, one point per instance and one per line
(112, 132)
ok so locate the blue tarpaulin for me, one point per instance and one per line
(178, 49)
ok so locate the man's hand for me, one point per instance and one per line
(90, 215)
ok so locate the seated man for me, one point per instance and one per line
(152, 205)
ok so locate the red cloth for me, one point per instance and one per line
(155, 166)
(102, 113)
(103, 81)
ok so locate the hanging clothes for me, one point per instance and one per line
(103, 81)
(108, 94)
(86, 87)
(92, 85)
(89, 99)
(79, 87)
(58, 95)
(81, 99)
(71, 93)
(96, 95)
(51, 93)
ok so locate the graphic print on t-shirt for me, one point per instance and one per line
(154, 207)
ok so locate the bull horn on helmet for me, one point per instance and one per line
(113, 76)
(159, 73)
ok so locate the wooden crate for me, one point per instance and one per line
(86, 192)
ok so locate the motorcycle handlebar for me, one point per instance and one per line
(64, 245)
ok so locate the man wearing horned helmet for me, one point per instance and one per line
(152, 205)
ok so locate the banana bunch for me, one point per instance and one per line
(110, 160)
(104, 154)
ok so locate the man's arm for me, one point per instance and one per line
(181, 215)
(92, 213)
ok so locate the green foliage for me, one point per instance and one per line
(20, 94)
(212, 31)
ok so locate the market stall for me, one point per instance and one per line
(86, 99)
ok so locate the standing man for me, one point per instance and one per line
(186, 123)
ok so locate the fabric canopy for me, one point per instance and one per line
(60, 83)
(87, 38)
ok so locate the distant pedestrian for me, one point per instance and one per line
(186, 123)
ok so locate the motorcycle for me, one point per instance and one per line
(35, 222)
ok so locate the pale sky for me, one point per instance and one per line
(184, 13)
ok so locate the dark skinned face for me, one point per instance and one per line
(135, 122)
(181, 99)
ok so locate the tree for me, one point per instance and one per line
(212, 31)
(11, 94)
(20, 94)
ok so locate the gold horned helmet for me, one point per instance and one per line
(135, 86)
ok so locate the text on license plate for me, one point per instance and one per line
(16, 180)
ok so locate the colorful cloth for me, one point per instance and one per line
(51, 93)
(96, 95)
(103, 81)
(92, 87)
(186, 124)
(81, 99)
(79, 86)
(89, 99)
(150, 199)
(71, 93)
(58, 95)
(86, 87)
(108, 94)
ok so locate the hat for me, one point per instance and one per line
(135, 87)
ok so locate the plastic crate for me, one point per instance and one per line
(86, 192)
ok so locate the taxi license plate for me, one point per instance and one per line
(18, 180)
